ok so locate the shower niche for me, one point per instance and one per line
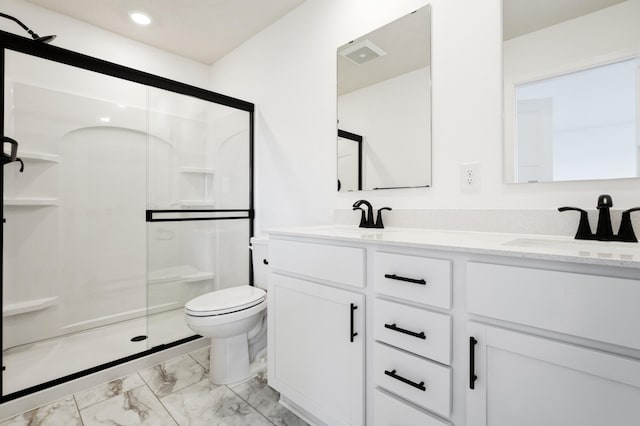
(135, 197)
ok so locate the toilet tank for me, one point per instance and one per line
(259, 248)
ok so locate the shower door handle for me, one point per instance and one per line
(14, 149)
(13, 154)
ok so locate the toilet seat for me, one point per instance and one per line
(226, 301)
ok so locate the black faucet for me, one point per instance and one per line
(604, 231)
(366, 218)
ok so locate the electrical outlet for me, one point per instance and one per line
(470, 177)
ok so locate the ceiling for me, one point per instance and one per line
(525, 16)
(203, 30)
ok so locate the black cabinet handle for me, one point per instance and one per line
(265, 261)
(394, 327)
(353, 334)
(409, 280)
(472, 362)
(393, 374)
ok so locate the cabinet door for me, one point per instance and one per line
(531, 381)
(315, 358)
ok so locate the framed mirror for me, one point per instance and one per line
(571, 70)
(384, 99)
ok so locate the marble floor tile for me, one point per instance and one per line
(202, 357)
(173, 375)
(138, 407)
(59, 413)
(107, 390)
(206, 404)
(263, 398)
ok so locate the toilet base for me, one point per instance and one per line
(229, 360)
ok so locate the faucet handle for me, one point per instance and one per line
(625, 233)
(379, 223)
(363, 217)
(584, 229)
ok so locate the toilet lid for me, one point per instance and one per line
(221, 302)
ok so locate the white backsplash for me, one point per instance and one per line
(543, 221)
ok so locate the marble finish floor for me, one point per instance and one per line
(175, 392)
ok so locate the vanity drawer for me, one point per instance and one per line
(339, 264)
(388, 411)
(408, 372)
(594, 307)
(415, 278)
(401, 326)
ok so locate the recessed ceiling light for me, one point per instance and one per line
(105, 119)
(140, 18)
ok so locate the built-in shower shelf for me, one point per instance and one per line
(34, 305)
(196, 277)
(196, 203)
(39, 156)
(197, 170)
(182, 278)
(30, 202)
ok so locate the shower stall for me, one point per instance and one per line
(136, 196)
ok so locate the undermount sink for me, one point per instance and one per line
(357, 230)
(352, 231)
(601, 248)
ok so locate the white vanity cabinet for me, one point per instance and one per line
(316, 331)
(530, 380)
(557, 333)
(527, 380)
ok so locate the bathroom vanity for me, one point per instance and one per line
(420, 327)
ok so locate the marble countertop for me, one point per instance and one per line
(525, 246)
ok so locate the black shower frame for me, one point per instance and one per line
(358, 139)
(9, 41)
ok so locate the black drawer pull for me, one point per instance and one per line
(409, 280)
(265, 261)
(394, 327)
(353, 334)
(393, 374)
(472, 362)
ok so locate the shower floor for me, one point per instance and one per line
(35, 363)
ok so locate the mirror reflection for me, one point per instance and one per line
(571, 71)
(384, 106)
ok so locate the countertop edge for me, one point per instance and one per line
(520, 253)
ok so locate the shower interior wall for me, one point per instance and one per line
(98, 152)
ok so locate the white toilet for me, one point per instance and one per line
(227, 316)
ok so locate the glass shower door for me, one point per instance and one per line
(199, 200)
(74, 241)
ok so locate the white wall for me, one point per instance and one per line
(289, 71)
